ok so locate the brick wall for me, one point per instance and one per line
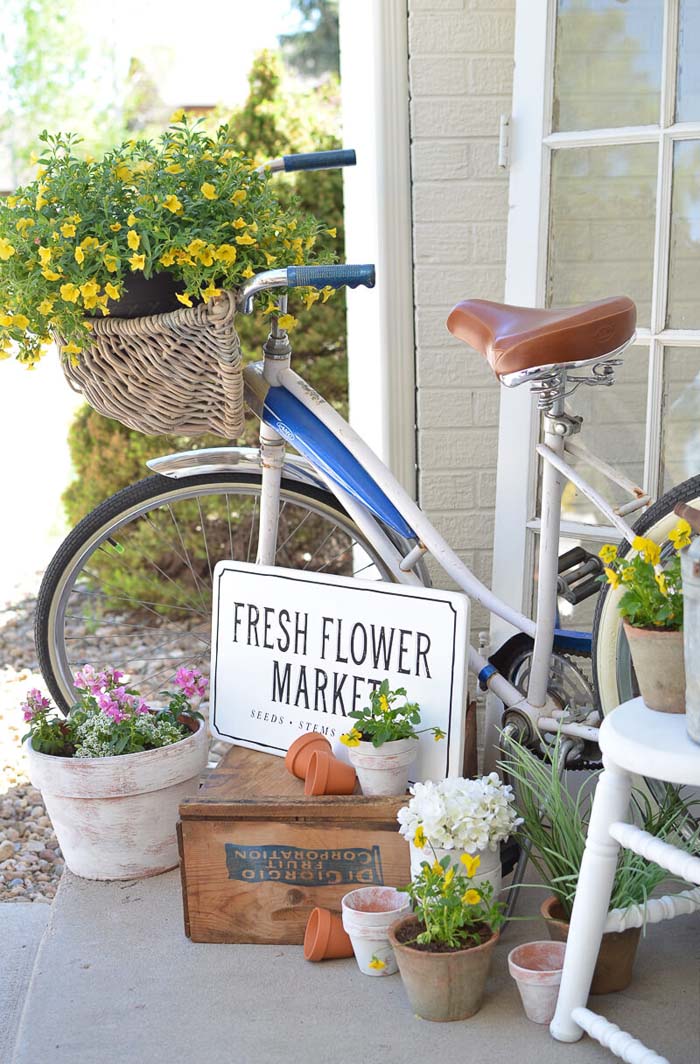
(460, 69)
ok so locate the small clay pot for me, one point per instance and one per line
(299, 753)
(327, 775)
(659, 665)
(536, 968)
(442, 986)
(325, 937)
(618, 949)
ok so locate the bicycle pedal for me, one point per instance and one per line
(579, 573)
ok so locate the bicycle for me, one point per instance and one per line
(333, 506)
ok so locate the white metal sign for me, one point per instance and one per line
(294, 652)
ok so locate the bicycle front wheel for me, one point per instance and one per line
(131, 585)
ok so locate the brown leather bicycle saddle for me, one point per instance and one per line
(518, 338)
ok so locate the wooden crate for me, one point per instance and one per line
(257, 855)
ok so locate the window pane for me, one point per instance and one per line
(607, 63)
(688, 96)
(601, 234)
(680, 420)
(684, 263)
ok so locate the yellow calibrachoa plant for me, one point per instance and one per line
(188, 203)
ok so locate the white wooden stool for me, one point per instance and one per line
(635, 741)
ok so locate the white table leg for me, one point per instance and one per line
(611, 803)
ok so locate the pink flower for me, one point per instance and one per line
(34, 705)
(142, 707)
(191, 682)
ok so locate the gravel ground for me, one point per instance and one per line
(30, 859)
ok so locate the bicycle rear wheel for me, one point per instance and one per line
(131, 585)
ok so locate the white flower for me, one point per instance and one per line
(461, 814)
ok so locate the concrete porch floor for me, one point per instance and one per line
(116, 980)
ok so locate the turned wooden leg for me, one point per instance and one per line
(610, 804)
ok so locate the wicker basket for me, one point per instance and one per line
(178, 372)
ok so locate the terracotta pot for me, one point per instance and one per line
(618, 949)
(489, 869)
(327, 775)
(368, 913)
(115, 817)
(325, 937)
(657, 656)
(442, 986)
(536, 968)
(383, 770)
(299, 753)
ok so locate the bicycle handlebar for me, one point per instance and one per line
(319, 160)
(337, 276)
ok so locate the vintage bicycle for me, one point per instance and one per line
(314, 496)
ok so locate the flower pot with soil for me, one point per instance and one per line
(444, 950)
(368, 913)
(618, 949)
(383, 742)
(114, 772)
(536, 968)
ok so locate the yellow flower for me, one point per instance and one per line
(470, 863)
(70, 293)
(661, 581)
(111, 263)
(245, 239)
(376, 964)
(131, 220)
(226, 253)
(20, 321)
(449, 876)
(208, 191)
(326, 293)
(115, 227)
(112, 290)
(172, 203)
(471, 897)
(269, 259)
(174, 168)
(383, 700)
(79, 255)
(51, 275)
(45, 307)
(311, 297)
(195, 246)
(45, 255)
(646, 547)
(133, 240)
(22, 224)
(89, 292)
(438, 869)
(608, 553)
(72, 349)
(248, 272)
(239, 196)
(613, 577)
(206, 257)
(168, 258)
(351, 738)
(332, 232)
(680, 535)
(123, 172)
(177, 116)
(137, 262)
(438, 734)
(6, 320)
(287, 321)
(184, 298)
(239, 223)
(419, 838)
(11, 201)
(6, 249)
(210, 291)
(68, 229)
(90, 243)
(41, 198)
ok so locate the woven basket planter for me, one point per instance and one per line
(178, 372)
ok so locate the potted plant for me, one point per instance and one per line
(555, 824)
(457, 817)
(368, 913)
(651, 604)
(113, 772)
(152, 226)
(444, 948)
(383, 742)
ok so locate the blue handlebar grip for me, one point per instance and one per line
(320, 160)
(331, 276)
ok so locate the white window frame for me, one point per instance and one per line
(532, 143)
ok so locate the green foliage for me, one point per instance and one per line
(452, 908)
(384, 722)
(313, 49)
(555, 823)
(653, 593)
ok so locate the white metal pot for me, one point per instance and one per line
(489, 869)
(383, 770)
(115, 817)
(368, 913)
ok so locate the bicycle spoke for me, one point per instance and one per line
(206, 545)
(252, 526)
(187, 554)
(321, 546)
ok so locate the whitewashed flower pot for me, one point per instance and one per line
(368, 913)
(489, 869)
(115, 817)
(383, 770)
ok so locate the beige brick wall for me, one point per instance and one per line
(460, 68)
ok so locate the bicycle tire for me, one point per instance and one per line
(117, 514)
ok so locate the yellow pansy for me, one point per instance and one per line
(167, 258)
(288, 321)
(384, 703)
(351, 738)
(376, 964)
(112, 290)
(661, 581)
(44, 255)
(131, 220)
(79, 255)
(245, 239)
(208, 191)
(133, 240)
(438, 734)
(115, 227)
(613, 577)
(69, 292)
(471, 897)
(438, 869)
(680, 535)
(111, 262)
(51, 275)
(210, 291)
(184, 297)
(226, 253)
(449, 876)
(646, 547)
(20, 321)
(419, 839)
(137, 262)
(239, 196)
(248, 272)
(172, 204)
(608, 553)
(6, 249)
(45, 307)
(68, 229)
(470, 863)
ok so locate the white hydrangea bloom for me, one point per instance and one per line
(461, 814)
